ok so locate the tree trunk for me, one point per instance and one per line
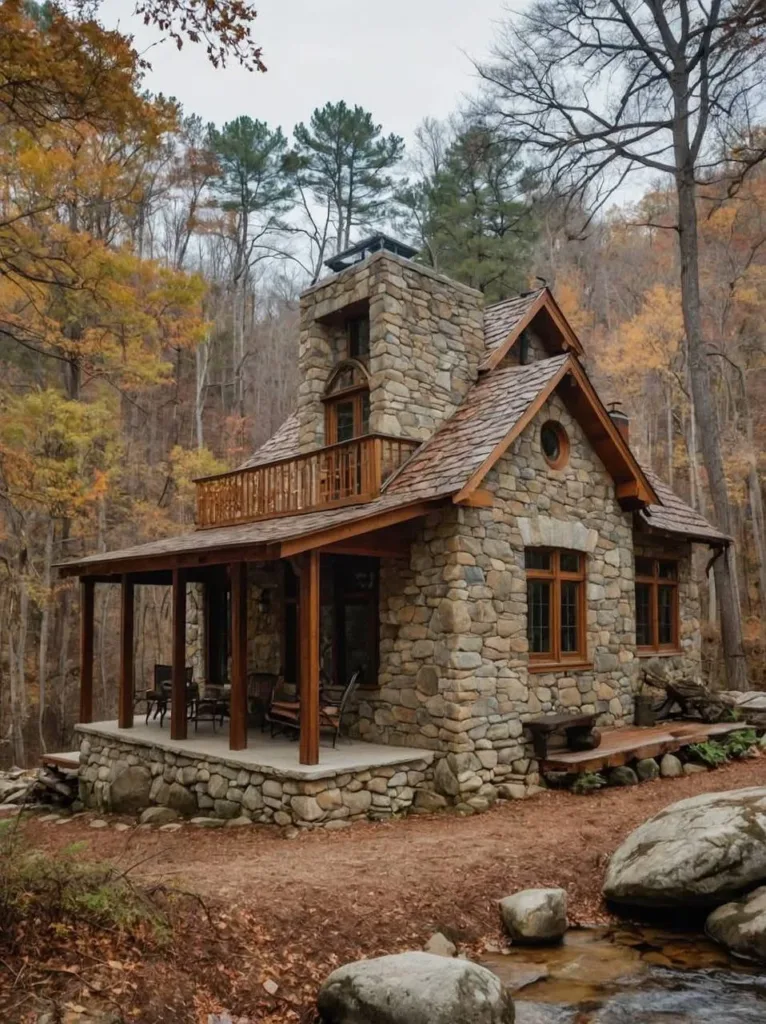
(45, 622)
(709, 428)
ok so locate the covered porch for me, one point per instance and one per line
(320, 596)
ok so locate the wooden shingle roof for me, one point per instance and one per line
(283, 444)
(461, 446)
(502, 317)
(676, 517)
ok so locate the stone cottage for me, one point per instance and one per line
(452, 514)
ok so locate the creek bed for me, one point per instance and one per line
(631, 975)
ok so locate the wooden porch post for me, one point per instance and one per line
(178, 658)
(87, 604)
(309, 651)
(238, 699)
(125, 712)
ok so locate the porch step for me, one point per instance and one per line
(618, 746)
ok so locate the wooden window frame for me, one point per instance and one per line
(654, 582)
(356, 396)
(360, 357)
(543, 661)
(562, 459)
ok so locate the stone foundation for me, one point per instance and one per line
(126, 777)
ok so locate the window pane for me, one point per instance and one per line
(534, 558)
(668, 570)
(344, 413)
(569, 561)
(570, 592)
(643, 615)
(359, 338)
(666, 604)
(644, 567)
(551, 445)
(539, 616)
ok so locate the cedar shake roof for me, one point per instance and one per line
(676, 517)
(281, 445)
(263, 533)
(459, 448)
(501, 318)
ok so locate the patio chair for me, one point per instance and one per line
(286, 714)
(331, 714)
(162, 694)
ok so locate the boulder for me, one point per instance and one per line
(647, 769)
(741, 926)
(440, 945)
(671, 767)
(535, 915)
(622, 776)
(182, 800)
(700, 851)
(158, 816)
(129, 791)
(414, 988)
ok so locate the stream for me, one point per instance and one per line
(631, 975)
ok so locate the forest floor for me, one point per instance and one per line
(256, 920)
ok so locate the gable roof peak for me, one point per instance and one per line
(504, 322)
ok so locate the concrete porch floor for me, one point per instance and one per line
(264, 753)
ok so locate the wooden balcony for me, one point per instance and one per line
(348, 473)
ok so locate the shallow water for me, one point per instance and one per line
(631, 976)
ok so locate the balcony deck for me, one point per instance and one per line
(348, 473)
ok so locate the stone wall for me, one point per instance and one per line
(426, 342)
(688, 663)
(536, 350)
(264, 627)
(122, 776)
(454, 672)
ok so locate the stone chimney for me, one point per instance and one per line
(426, 340)
(620, 419)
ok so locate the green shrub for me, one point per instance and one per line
(738, 743)
(588, 782)
(711, 752)
(65, 888)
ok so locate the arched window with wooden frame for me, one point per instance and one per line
(347, 402)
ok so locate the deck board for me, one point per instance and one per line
(618, 746)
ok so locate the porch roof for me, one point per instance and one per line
(674, 516)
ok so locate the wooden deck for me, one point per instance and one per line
(618, 746)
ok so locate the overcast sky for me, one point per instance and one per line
(401, 59)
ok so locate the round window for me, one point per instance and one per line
(555, 444)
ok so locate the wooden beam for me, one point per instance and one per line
(238, 699)
(477, 499)
(345, 531)
(87, 605)
(197, 558)
(178, 658)
(309, 650)
(125, 705)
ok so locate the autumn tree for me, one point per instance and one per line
(597, 91)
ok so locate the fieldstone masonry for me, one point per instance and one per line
(426, 343)
(120, 775)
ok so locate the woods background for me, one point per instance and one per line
(150, 267)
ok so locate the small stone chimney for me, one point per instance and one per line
(620, 419)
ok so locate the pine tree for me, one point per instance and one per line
(345, 161)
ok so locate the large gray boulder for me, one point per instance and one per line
(700, 851)
(535, 915)
(129, 791)
(414, 988)
(741, 926)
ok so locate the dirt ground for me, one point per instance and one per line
(291, 909)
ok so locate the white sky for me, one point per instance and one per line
(402, 60)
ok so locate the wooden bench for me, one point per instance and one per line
(579, 730)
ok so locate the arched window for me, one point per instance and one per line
(347, 402)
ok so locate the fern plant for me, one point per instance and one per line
(711, 752)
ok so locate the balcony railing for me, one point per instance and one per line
(348, 473)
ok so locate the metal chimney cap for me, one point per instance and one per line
(361, 250)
